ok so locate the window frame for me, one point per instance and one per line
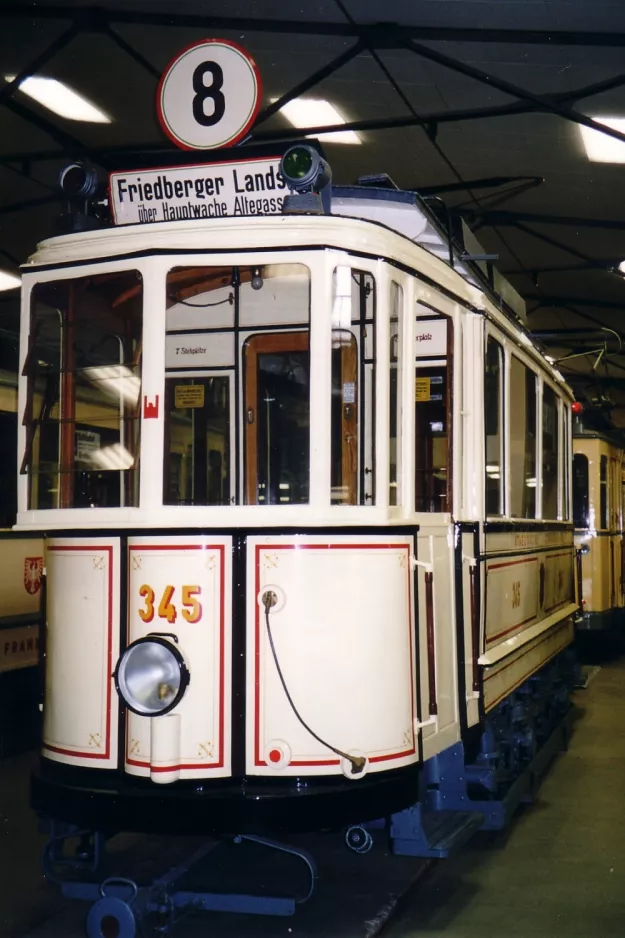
(499, 339)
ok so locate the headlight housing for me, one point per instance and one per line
(151, 676)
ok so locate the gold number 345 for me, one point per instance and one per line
(191, 607)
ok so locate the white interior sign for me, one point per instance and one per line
(431, 338)
(209, 96)
(199, 350)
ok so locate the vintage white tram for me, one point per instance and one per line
(306, 497)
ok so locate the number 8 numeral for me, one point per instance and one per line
(166, 608)
(210, 92)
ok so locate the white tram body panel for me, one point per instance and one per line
(83, 616)
(194, 575)
(413, 588)
(349, 601)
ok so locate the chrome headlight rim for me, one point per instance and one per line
(185, 674)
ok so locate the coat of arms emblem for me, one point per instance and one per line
(33, 569)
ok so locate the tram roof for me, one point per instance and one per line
(273, 233)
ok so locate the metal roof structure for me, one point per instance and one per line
(476, 102)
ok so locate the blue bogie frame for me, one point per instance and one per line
(457, 796)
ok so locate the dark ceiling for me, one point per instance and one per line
(472, 89)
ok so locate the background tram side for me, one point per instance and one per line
(598, 487)
(21, 563)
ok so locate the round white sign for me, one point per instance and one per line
(209, 95)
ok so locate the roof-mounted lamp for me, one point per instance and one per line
(81, 187)
(308, 176)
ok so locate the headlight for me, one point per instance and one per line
(151, 676)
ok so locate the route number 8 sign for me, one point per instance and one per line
(209, 95)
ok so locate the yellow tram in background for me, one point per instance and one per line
(21, 568)
(598, 492)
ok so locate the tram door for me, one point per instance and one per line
(277, 419)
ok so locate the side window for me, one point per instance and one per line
(603, 493)
(580, 491)
(433, 396)
(493, 411)
(84, 391)
(396, 354)
(353, 387)
(550, 453)
(522, 440)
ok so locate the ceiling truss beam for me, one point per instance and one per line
(389, 35)
(503, 218)
(507, 87)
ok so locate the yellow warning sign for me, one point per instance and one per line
(422, 389)
(189, 395)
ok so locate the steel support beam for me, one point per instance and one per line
(566, 302)
(29, 203)
(560, 245)
(503, 218)
(488, 182)
(64, 39)
(515, 91)
(606, 263)
(429, 121)
(390, 35)
(68, 142)
(131, 51)
(7, 100)
(307, 84)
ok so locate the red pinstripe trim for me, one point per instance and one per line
(511, 563)
(563, 602)
(220, 761)
(393, 755)
(320, 762)
(270, 547)
(109, 668)
(492, 638)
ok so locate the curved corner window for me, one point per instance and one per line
(580, 491)
(83, 394)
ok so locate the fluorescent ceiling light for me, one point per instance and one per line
(9, 281)
(599, 147)
(315, 112)
(60, 99)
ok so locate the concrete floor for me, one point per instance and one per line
(560, 867)
(558, 870)
(26, 899)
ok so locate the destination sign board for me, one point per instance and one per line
(185, 193)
